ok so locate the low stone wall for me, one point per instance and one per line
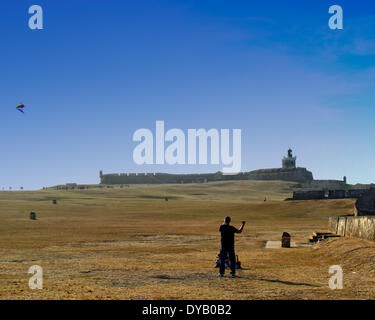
(308, 195)
(336, 194)
(351, 226)
(324, 184)
(355, 193)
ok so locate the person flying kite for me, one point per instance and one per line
(20, 108)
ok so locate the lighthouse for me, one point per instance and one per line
(289, 162)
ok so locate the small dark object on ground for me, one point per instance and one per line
(318, 236)
(32, 215)
(285, 240)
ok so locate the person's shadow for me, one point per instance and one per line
(289, 283)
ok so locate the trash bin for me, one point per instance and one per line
(285, 240)
(32, 215)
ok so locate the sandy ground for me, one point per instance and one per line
(276, 244)
(131, 244)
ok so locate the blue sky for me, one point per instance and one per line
(100, 70)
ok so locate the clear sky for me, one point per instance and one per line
(100, 70)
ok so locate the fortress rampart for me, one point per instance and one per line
(324, 184)
(288, 172)
(296, 174)
(332, 194)
(357, 227)
(362, 223)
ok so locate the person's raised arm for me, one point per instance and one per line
(242, 226)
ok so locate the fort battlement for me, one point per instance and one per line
(361, 224)
(288, 172)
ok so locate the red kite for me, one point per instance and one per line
(20, 108)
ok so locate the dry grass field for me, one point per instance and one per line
(132, 244)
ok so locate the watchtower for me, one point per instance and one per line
(289, 162)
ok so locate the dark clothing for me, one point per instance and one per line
(227, 235)
(224, 253)
(227, 247)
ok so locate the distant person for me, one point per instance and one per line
(227, 245)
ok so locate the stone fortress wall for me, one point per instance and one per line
(353, 226)
(330, 194)
(288, 172)
(324, 184)
(361, 224)
(297, 175)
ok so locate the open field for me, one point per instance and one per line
(132, 244)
